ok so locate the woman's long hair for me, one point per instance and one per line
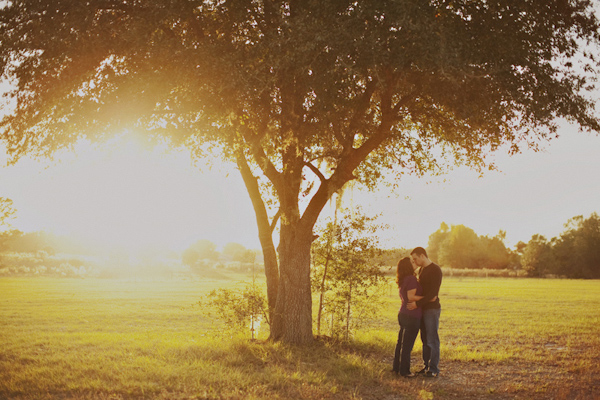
(403, 270)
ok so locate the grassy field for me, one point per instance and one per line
(106, 339)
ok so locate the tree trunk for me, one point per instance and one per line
(293, 312)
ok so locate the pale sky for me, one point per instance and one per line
(143, 197)
(126, 193)
(532, 193)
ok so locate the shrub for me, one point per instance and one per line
(239, 309)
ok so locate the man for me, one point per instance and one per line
(430, 277)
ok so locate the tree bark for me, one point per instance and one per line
(292, 321)
(265, 234)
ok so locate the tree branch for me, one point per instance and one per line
(263, 161)
(349, 161)
(402, 102)
(275, 219)
(362, 106)
(251, 183)
(316, 171)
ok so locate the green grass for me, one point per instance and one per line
(501, 338)
(519, 319)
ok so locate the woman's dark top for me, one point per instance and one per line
(410, 283)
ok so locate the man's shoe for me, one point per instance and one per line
(422, 372)
(430, 374)
(409, 376)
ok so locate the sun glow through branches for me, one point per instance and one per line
(132, 197)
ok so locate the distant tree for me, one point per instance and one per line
(32, 242)
(517, 254)
(520, 247)
(200, 251)
(233, 251)
(8, 238)
(493, 254)
(436, 241)
(303, 96)
(538, 259)
(238, 252)
(460, 249)
(390, 257)
(190, 257)
(248, 257)
(578, 248)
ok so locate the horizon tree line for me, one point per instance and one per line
(575, 253)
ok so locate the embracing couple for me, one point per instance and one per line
(420, 310)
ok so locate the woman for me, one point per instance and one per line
(410, 320)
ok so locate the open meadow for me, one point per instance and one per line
(502, 338)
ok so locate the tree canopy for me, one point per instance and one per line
(302, 95)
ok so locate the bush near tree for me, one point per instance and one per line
(348, 282)
(241, 310)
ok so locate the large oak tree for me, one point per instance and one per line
(304, 96)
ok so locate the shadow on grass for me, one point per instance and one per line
(321, 370)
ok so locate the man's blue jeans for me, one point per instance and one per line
(430, 324)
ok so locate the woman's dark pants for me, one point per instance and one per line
(409, 329)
